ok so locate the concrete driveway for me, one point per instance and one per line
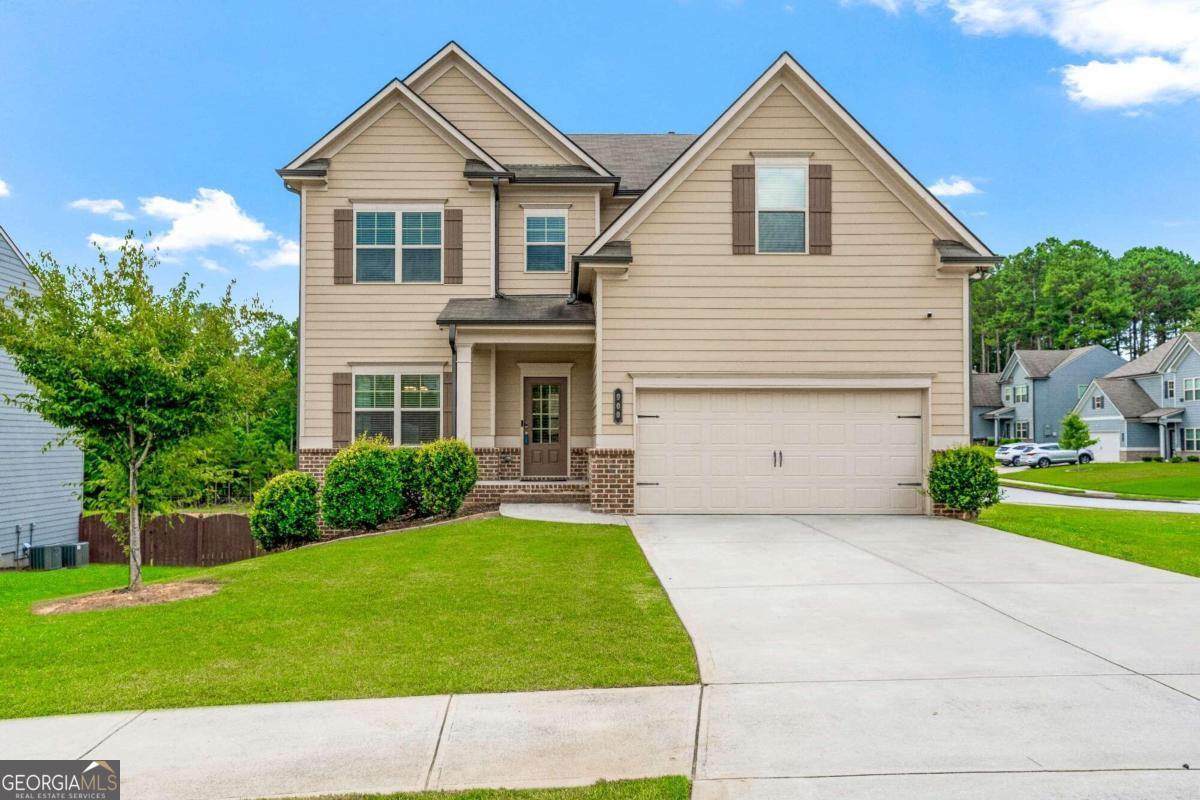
(912, 657)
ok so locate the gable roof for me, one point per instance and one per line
(985, 389)
(453, 50)
(1127, 396)
(1043, 363)
(1145, 364)
(393, 91)
(1178, 351)
(783, 67)
(13, 246)
(638, 158)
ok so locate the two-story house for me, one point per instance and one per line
(770, 316)
(39, 487)
(1148, 407)
(1040, 387)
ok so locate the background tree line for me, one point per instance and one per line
(1058, 295)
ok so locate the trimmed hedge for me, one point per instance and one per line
(446, 470)
(363, 489)
(964, 479)
(285, 510)
(406, 473)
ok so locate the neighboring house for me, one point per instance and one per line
(770, 316)
(38, 488)
(985, 398)
(1148, 407)
(1040, 387)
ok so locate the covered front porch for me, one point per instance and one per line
(1002, 423)
(523, 368)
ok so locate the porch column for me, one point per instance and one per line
(1162, 440)
(462, 412)
(996, 431)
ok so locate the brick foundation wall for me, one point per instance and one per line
(942, 510)
(610, 473)
(489, 495)
(314, 462)
(579, 463)
(499, 463)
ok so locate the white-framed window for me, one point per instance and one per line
(398, 244)
(781, 205)
(545, 240)
(1168, 388)
(1098, 401)
(1080, 390)
(1191, 438)
(1021, 429)
(1008, 395)
(1191, 389)
(1021, 393)
(404, 406)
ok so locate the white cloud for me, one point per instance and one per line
(213, 266)
(211, 218)
(954, 186)
(4, 190)
(1148, 51)
(286, 254)
(108, 244)
(111, 208)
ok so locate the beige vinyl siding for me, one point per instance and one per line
(611, 208)
(481, 391)
(581, 227)
(508, 388)
(395, 160)
(474, 112)
(689, 305)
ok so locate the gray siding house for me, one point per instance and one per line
(1040, 387)
(985, 398)
(1148, 407)
(38, 489)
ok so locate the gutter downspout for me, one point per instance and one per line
(454, 378)
(574, 282)
(496, 239)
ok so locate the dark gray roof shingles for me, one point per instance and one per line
(1129, 398)
(638, 158)
(1040, 363)
(537, 309)
(985, 389)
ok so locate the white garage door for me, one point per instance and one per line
(1107, 447)
(779, 451)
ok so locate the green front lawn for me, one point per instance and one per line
(1153, 479)
(674, 788)
(1158, 539)
(484, 606)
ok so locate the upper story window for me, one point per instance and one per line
(545, 241)
(1008, 395)
(1168, 388)
(1080, 390)
(1191, 389)
(418, 248)
(1021, 393)
(781, 212)
(1098, 401)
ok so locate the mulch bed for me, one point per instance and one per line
(149, 594)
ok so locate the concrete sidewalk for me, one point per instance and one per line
(519, 739)
(1032, 497)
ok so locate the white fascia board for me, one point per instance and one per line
(1175, 356)
(430, 68)
(1078, 407)
(720, 129)
(397, 91)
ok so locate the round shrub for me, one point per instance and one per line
(285, 511)
(446, 471)
(964, 479)
(1193, 459)
(406, 472)
(1176, 459)
(362, 486)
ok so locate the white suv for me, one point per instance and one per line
(1043, 455)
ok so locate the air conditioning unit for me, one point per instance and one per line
(75, 555)
(45, 556)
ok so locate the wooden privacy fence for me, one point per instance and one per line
(180, 540)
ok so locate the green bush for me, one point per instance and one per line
(1176, 459)
(1147, 459)
(446, 470)
(406, 472)
(1158, 459)
(362, 486)
(964, 479)
(285, 510)
(1193, 458)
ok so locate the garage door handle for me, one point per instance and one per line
(647, 416)
(646, 483)
(908, 416)
(918, 483)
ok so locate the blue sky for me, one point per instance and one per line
(1050, 117)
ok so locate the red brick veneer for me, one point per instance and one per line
(610, 473)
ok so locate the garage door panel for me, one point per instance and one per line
(716, 451)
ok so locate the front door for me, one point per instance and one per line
(544, 427)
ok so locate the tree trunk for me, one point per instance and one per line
(135, 531)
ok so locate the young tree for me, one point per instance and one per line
(1075, 434)
(127, 372)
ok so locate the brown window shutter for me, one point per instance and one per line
(343, 245)
(743, 209)
(452, 270)
(820, 208)
(343, 409)
(448, 429)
